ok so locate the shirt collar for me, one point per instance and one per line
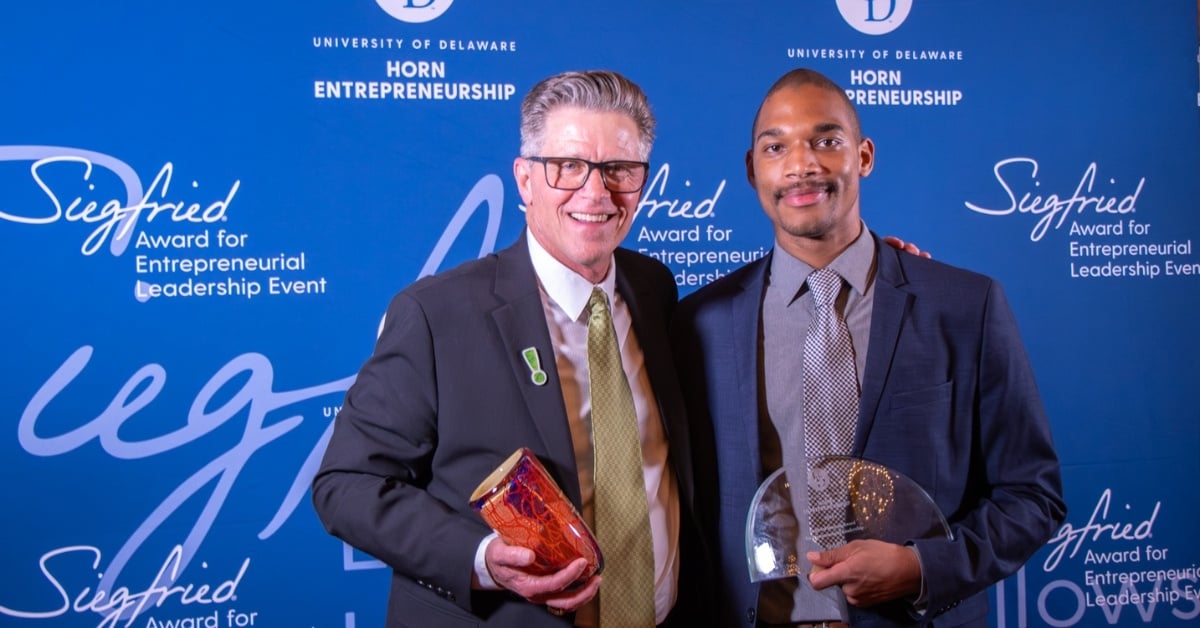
(566, 288)
(854, 265)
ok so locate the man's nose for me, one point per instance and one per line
(802, 161)
(593, 185)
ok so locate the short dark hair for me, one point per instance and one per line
(806, 76)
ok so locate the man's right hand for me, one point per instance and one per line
(509, 566)
(907, 247)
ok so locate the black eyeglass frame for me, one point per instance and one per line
(592, 165)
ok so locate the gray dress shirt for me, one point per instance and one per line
(786, 313)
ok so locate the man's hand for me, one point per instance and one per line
(509, 567)
(870, 572)
(907, 247)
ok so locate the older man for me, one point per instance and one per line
(448, 395)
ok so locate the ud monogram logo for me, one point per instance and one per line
(415, 11)
(874, 17)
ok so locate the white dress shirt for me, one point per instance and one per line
(564, 299)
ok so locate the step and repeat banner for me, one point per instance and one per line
(205, 208)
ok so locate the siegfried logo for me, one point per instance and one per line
(54, 169)
(255, 396)
(1098, 528)
(1053, 209)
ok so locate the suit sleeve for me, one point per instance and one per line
(372, 486)
(1014, 500)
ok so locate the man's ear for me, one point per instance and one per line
(866, 157)
(521, 172)
(750, 167)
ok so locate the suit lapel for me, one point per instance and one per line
(745, 308)
(889, 308)
(651, 340)
(521, 322)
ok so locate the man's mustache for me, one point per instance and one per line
(807, 187)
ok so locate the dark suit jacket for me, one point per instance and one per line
(444, 399)
(948, 399)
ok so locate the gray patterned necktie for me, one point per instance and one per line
(830, 403)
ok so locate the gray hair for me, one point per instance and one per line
(592, 90)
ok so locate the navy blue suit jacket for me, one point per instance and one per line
(948, 399)
(444, 399)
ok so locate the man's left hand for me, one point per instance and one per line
(869, 572)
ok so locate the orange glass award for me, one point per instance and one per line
(526, 507)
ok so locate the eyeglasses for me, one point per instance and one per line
(569, 173)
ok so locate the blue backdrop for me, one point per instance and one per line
(205, 207)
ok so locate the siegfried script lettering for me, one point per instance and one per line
(1053, 209)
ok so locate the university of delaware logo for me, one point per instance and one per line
(873, 17)
(415, 11)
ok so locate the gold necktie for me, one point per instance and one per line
(622, 522)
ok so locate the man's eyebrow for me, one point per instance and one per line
(771, 132)
(823, 127)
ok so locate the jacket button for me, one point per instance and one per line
(750, 615)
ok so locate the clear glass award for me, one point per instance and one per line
(843, 499)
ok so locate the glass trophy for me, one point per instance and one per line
(844, 499)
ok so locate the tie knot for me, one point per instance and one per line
(824, 285)
(598, 303)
